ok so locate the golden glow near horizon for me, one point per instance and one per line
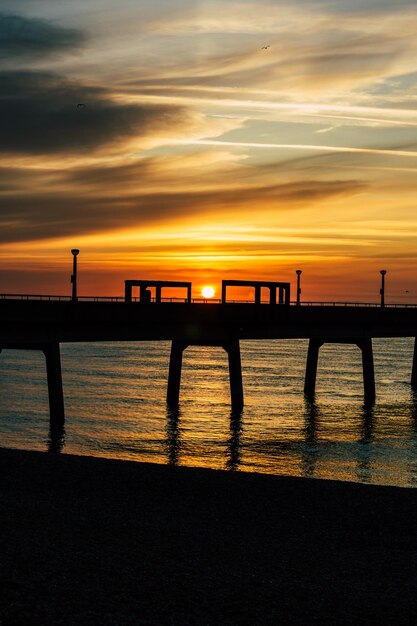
(198, 154)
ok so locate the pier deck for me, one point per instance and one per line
(34, 321)
(45, 324)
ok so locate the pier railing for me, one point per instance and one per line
(59, 298)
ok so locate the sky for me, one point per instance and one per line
(218, 140)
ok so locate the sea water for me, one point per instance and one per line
(115, 407)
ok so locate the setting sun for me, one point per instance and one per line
(207, 292)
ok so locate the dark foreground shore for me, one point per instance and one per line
(93, 541)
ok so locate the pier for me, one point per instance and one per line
(43, 323)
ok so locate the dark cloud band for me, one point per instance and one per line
(39, 115)
(24, 36)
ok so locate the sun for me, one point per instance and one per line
(207, 292)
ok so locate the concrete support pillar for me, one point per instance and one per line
(257, 294)
(368, 368)
(414, 368)
(55, 389)
(314, 346)
(365, 346)
(174, 375)
(235, 373)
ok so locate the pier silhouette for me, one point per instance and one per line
(44, 322)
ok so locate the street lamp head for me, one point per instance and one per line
(74, 251)
(383, 272)
(298, 272)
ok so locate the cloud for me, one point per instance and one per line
(106, 199)
(23, 36)
(313, 49)
(397, 152)
(39, 115)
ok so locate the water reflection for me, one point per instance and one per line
(173, 440)
(413, 412)
(364, 463)
(56, 438)
(173, 443)
(234, 444)
(413, 420)
(312, 450)
(367, 422)
(309, 452)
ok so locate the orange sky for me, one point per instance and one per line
(200, 155)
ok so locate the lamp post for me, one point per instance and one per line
(74, 253)
(298, 272)
(382, 290)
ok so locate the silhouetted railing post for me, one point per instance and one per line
(368, 368)
(414, 369)
(298, 272)
(174, 375)
(314, 346)
(75, 252)
(235, 373)
(382, 290)
(55, 389)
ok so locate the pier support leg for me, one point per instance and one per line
(368, 368)
(235, 372)
(55, 389)
(174, 376)
(414, 369)
(314, 346)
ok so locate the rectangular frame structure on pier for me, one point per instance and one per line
(283, 290)
(144, 293)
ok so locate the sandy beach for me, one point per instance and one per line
(93, 541)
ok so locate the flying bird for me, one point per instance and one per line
(80, 105)
(265, 47)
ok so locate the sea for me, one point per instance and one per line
(115, 404)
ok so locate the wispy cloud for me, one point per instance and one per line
(303, 147)
(312, 49)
